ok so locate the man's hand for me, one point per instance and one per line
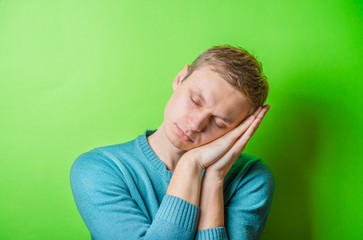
(219, 155)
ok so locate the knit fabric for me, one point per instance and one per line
(120, 192)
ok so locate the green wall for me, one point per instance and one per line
(75, 75)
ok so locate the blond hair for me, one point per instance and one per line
(237, 67)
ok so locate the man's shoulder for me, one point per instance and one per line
(246, 161)
(250, 161)
(127, 147)
(250, 168)
(106, 157)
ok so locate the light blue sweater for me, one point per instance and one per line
(120, 193)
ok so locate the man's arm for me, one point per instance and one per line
(185, 182)
(217, 157)
(110, 211)
(211, 222)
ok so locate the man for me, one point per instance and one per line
(188, 179)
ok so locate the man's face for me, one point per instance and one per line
(202, 108)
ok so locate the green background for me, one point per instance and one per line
(75, 75)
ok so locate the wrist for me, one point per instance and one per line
(185, 182)
(211, 203)
(216, 177)
(190, 161)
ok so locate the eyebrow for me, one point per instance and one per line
(198, 92)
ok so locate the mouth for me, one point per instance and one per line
(183, 135)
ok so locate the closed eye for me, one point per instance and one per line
(218, 125)
(195, 101)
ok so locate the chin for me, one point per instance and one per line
(178, 143)
(173, 137)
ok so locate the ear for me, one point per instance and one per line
(179, 78)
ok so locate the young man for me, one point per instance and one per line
(187, 179)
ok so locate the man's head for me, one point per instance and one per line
(237, 67)
(221, 88)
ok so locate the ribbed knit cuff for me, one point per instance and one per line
(218, 233)
(179, 212)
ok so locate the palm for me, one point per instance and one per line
(220, 154)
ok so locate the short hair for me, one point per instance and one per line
(239, 68)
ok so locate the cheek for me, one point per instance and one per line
(212, 134)
(176, 108)
(217, 132)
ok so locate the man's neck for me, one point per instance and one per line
(164, 149)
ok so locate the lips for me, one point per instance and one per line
(183, 135)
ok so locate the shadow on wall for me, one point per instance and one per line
(293, 147)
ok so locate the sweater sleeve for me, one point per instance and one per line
(109, 211)
(218, 233)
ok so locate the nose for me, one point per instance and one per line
(199, 121)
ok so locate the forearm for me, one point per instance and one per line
(211, 202)
(185, 182)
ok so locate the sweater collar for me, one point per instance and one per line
(150, 155)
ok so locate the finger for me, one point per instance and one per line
(255, 114)
(259, 118)
(263, 112)
(259, 114)
(236, 149)
(254, 126)
(223, 143)
(245, 124)
(229, 138)
(239, 145)
(242, 142)
(239, 130)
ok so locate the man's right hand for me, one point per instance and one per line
(219, 155)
